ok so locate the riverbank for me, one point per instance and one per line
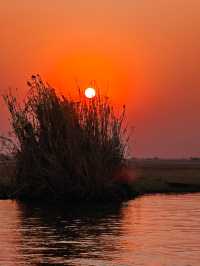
(150, 176)
(165, 176)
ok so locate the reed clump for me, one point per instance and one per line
(66, 149)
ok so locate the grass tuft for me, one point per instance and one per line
(66, 149)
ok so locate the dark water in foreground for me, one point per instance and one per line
(149, 231)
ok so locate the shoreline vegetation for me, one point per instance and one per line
(66, 149)
(75, 150)
(150, 177)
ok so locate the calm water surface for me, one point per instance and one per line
(149, 231)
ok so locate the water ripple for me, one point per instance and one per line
(154, 230)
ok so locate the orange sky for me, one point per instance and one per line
(146, 52)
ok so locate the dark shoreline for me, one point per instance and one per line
(165, 176)
(150, 177)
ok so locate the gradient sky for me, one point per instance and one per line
(146, 52)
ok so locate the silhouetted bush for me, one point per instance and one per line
(66, 149)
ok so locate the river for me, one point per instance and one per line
(153, 230)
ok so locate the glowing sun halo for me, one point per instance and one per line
(90, 93)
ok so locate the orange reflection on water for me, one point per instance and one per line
(160, 230)
(10, 235)
(154, 230)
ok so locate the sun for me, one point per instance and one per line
(90, 93)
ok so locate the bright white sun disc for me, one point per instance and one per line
(90, 93)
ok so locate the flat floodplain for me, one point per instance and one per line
(166, 175)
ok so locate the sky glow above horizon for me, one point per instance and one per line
(143, 54)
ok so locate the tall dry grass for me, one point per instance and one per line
(66, 149)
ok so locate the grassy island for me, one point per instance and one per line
(66, 149)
